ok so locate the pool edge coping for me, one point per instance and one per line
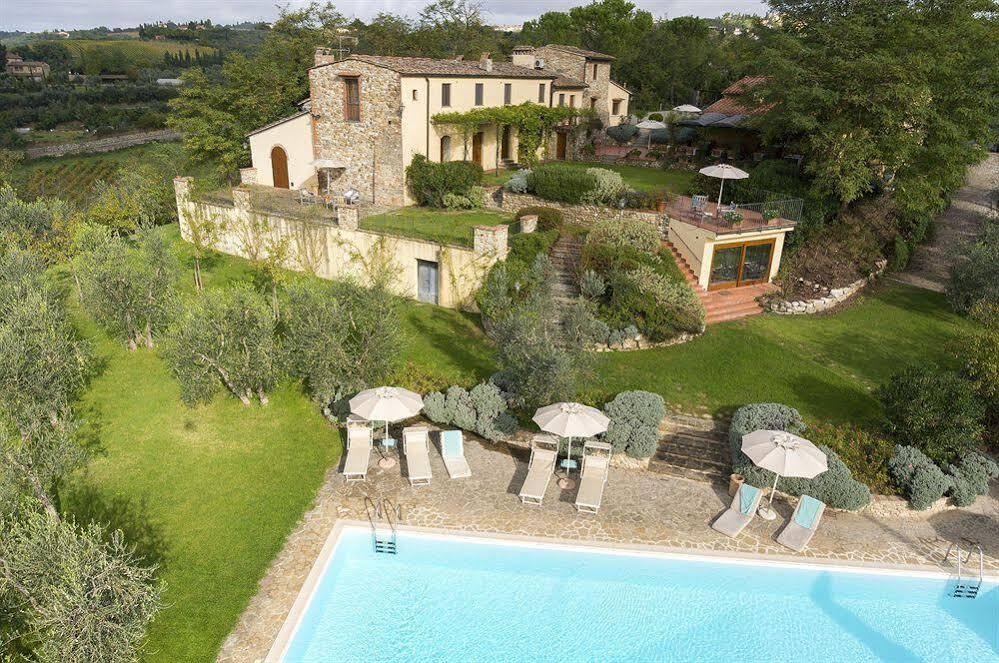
(292, 621)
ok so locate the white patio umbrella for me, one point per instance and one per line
(650, 125)
(388, 404)
(687, 108)
(723, 171)
(784, 454)
(571, 420)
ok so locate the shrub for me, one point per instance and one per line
(430, 182)
(518, 181)
(609, 186)
(637, 234)
(976, 277)
(836, 486)
(656, 117)
(634, 422)
(978, 348)
(471, 200)
(608, 260)
(659, 136)
(865, 453)
(918, 477)
(549, 218)
(562, 183)
(661, 307)
(971, 477)
(482, 410)
(622, 133)
(592, 285)
(936, 411)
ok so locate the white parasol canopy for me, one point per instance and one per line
(723, 171)
(386, 404)
(571, 420)
(651, 124)
(784, 454)
(687, 108)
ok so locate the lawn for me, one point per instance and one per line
(433, 224)
(637, 177)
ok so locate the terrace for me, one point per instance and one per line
(778, 214)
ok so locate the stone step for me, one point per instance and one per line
(691, 423)
(694, 452)
(705, 476)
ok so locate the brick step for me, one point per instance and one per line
(717, 306)
(729, 316)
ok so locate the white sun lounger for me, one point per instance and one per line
(744, 505)
(805, 520)
(416, 446)
(593, 476)
(541, 467)
(453, 452)
(355, 467)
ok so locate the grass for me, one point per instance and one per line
(637, 177)
(435, 225)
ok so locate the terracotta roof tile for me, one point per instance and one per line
(575, 50)
(434, 67)
(568, 82)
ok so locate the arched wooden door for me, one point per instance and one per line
(279, 167)
(477, 148)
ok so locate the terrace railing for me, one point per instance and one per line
(735, 217)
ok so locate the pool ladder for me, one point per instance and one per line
(967, 588)
(381, 540)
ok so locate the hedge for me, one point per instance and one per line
(634, 422)
(430, 182)
(561, 183)
(836, 486)
(549, 218)
(622, 133)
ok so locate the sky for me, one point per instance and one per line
(40, 15)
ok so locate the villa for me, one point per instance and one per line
(368, 115)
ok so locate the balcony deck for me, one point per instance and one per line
(707, 217)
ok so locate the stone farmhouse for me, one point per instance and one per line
(15, 65)
(368, 115)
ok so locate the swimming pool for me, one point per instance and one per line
(447, 598)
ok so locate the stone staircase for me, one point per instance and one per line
(564, 256)
(693, 448)
(722, 305)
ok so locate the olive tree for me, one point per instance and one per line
(225, 337)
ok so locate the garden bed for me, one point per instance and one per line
(435, 225)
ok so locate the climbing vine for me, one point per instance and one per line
(534, 123)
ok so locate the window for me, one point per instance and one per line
(561, 100)
(415, 97)
(352, 99)
(616, 107)
(507, 93)
(572, 101)
(594, 72)
(541, 93)
(445, 94)
(478, 94)
(445, 148)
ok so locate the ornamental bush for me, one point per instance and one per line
(659, 136)
(656, 117)
(518, 181)
(471, 200)
(971, 477)
(549, 218)
(482, 410)
(639, 235)
(934, 410)
(622, 133)
(975, 278)
(918, 477)
(661, 307)
(836, 486)
(635, 417)
(561, 183)
(430, 182)
(609, 186)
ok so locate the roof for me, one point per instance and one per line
(562, 81)
(575, 50)
(743, 84)
(433, 67)
(732, 103)
(276, 123)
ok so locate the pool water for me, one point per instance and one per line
(455, 599)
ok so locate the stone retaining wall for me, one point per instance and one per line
(109, 144)
(587, 215)
(834, 297)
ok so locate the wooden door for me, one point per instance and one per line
(427, 278)
(560, 146)
(477, 148)
(505, 143)
(279, 167)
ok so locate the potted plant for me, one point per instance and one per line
(733, 217)
(735, 481)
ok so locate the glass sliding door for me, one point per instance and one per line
(734, 265)
(725, 267)
(756, 263)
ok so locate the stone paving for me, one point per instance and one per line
(639, 507)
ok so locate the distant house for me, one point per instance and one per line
(368, 115)
(15, 65)
(169, 81)
(112, 79)
(62, 33)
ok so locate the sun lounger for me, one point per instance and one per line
(416, 446)
(541, 467)
(801, 528)
(453, 452)
(744, 505)
(355, 467)
(593, 477)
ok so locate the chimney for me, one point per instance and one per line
(486, 62)
(523, 56)
(324, 55)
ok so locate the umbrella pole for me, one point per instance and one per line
(774, 488)
(720, 189)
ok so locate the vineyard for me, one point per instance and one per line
(138, 53)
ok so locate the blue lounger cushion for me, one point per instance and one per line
(451, 443)
(747, 497)
(807, 509)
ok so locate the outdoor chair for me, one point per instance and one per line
(359, 444)
(416, 447)
(453, 452)
(805, 520)
(593, 476)
(541, 467)
(740, 513)
(699, 203)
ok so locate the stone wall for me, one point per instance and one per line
(830, 299)
(109, 144)
(335, 249)
(586, 215)
(371, 149)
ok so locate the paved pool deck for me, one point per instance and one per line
(639, 507)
